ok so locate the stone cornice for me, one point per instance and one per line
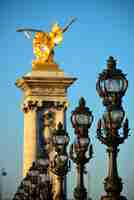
(44, 86)
(39, 87)
(41, 81)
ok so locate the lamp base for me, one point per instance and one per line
(113, 198)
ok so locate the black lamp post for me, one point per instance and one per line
(111, 87)
(81, 121)
(59, 164)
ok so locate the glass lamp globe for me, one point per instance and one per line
(113, 85)
(26, 183)
(64, 158)
(21, 191)
(44, 178)
(43, 162)
(114, 117)
(111, 81)
(81, 119)
(76, 146)
(59, 139)
(79, 143)
(33, 172)
(33, 185)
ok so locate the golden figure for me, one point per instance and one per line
(45, 42)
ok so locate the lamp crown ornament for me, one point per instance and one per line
(111, 63)
(60, 130)
(82, 102)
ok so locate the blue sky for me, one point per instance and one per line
(103, 28)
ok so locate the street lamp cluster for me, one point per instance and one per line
(36, 184)
(111, 87)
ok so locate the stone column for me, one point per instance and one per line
(44, 86)
(30, 136)
(58, 195)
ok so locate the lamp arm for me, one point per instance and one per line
(126, 129)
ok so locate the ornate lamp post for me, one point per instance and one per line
(81, 121)
(59, 163)
(111, 87)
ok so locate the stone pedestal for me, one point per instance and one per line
(44, 91)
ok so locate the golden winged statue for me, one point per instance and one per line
(45, 42)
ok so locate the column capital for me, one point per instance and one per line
(61, 105)
(29, 106)
(35, 103)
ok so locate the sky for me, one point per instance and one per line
(103, 28)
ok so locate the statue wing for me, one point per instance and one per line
(28, 31)
(72, 20)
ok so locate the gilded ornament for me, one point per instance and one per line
(44, 44)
